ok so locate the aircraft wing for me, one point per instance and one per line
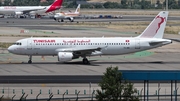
(80, 51)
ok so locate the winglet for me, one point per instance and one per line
(156, 27)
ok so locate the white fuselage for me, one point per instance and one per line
(65, 15)
(15, 9)
(109, 46)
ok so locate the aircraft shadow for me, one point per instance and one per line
(152, 62)
(66, 63)
(97, 63)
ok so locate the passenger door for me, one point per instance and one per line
(29, 44)
(137, 43)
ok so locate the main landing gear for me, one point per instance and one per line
(61, 20)
(85, 61)
(30, 59)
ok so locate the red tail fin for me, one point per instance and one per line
(56, 5)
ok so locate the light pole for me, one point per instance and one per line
(166, 5)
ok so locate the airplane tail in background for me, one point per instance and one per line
(56, 5)
(156, 27)
(78, 9)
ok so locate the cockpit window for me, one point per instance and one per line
(17, 43)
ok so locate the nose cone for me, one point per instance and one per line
(10, 49)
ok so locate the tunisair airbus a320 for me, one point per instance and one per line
(67, 49)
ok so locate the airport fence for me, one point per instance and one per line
(23, 95)
(9, 94)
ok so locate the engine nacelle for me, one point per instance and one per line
(65, 56)
(71, 19)
(18, 13)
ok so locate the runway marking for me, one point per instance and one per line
(140, 54)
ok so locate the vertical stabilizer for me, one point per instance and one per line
(56, 5)
(78, 9)
(156, 27)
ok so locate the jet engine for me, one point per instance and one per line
(71, 19)
(65, 56)
(18, 13)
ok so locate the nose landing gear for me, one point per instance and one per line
(30, 59)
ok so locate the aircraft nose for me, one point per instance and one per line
(10, 49)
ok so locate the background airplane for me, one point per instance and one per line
(19, 10)
(67, 49)
(67, 15)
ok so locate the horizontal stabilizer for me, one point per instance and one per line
(160, 42)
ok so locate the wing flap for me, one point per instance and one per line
(87, 51)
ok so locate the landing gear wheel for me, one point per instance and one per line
(29, 61)
(85, 61)
(62, 20)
